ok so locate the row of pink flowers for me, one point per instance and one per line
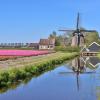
(22, 52)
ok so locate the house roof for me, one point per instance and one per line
(44, 42)
(50, 41)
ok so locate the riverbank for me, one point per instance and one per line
(21, 68)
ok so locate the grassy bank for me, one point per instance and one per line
(39, 65)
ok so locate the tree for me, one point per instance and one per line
(58, 40)
(53, 35)
(92, 37)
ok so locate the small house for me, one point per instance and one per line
(92, 50)
(47, 44)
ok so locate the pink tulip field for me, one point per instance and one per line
(22, 52)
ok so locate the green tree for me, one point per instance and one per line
(58, 40)
(92, 37)
(53, 34)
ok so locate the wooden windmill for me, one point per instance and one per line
(77, 34)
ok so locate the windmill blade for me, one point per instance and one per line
(67, 30)
(78, 20)
(88, 31)
(64, 73)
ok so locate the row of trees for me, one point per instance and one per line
(65, 40)
(60, 40)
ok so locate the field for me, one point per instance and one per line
(22, 52)
(13, 54)
(33, 60)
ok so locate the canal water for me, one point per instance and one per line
(78, 79)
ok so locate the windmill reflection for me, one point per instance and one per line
(82, 65)
(79, 66)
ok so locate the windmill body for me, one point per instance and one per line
(78, 40)
(74, 40)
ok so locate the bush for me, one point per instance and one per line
(4, 76)
(16, 74)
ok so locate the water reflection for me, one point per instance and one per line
(82, 65)
(14, 85)
(86, 65)
(79, 79)
(79, 66)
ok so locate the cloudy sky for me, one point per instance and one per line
(30, 20)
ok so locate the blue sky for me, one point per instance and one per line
(30, 20)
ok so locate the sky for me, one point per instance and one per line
(30, 20)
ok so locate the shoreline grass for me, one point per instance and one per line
(12, 75)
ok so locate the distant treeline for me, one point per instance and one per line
(18, 45)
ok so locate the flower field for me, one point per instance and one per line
(22, 52)
(7, 54)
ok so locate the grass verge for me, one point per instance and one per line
(12, 75)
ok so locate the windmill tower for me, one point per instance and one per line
(78, 39)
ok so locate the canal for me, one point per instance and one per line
(78, 79)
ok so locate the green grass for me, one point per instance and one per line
(39, 65)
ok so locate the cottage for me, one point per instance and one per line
(47, 43)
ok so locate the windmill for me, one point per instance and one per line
(77, 34)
